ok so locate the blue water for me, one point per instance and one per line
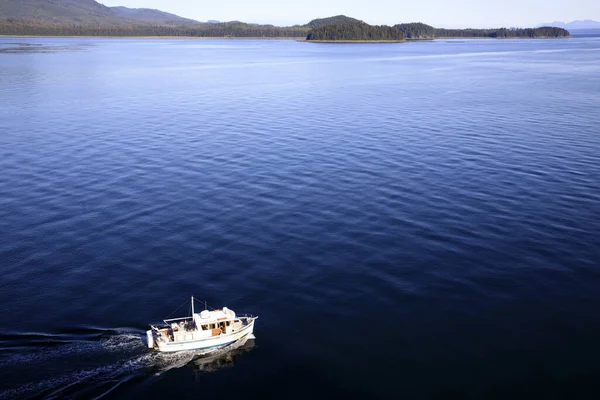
(414, 220)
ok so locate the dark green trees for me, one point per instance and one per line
(14, 26)
(416, 30)
(545, 31)
(338, 19)
(345, 30)
(354, 31)
(550, 31)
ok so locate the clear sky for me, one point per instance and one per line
(439, 13)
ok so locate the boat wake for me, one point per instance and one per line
(93, 363)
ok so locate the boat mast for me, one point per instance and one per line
(192, 306)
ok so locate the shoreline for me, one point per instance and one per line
(501, 38)
(353, 41)
(297, 38)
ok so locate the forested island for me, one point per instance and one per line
(344, 30)
(90, 18)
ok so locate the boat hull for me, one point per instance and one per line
(205, 344)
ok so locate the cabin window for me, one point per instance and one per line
(212, 326)
(228, 323)
(204, 327)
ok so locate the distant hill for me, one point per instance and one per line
(151, 16)
(85, 12)
(338, 19)
(574, 25)
(56, 10)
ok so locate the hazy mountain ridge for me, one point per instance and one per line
(580, 24)
(151, 15)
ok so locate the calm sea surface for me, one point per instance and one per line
(415, 220)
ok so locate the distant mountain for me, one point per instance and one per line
(574, 25)
(151, 16)
(85, 12)
(56, 10)
(338, 19)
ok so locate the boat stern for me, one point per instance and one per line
(150, 339)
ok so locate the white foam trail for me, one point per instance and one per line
(126, 341)
(59, 383)
(117, 343)
(121, 343)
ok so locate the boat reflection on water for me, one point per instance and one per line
(223, 358)
(201, 360)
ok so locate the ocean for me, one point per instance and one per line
(414, 220)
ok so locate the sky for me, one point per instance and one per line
(439, 13)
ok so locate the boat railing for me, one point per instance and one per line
(168, 321)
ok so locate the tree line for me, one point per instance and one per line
(546, 31)
(362, 31)
(335, 28)
(21, 27)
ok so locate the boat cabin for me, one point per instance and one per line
(201, 326)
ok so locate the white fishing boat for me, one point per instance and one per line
(204, 330)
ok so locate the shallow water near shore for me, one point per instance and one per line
(413, 220)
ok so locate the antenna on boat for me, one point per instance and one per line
(192, 306)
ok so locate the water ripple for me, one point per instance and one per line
(441, 198)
